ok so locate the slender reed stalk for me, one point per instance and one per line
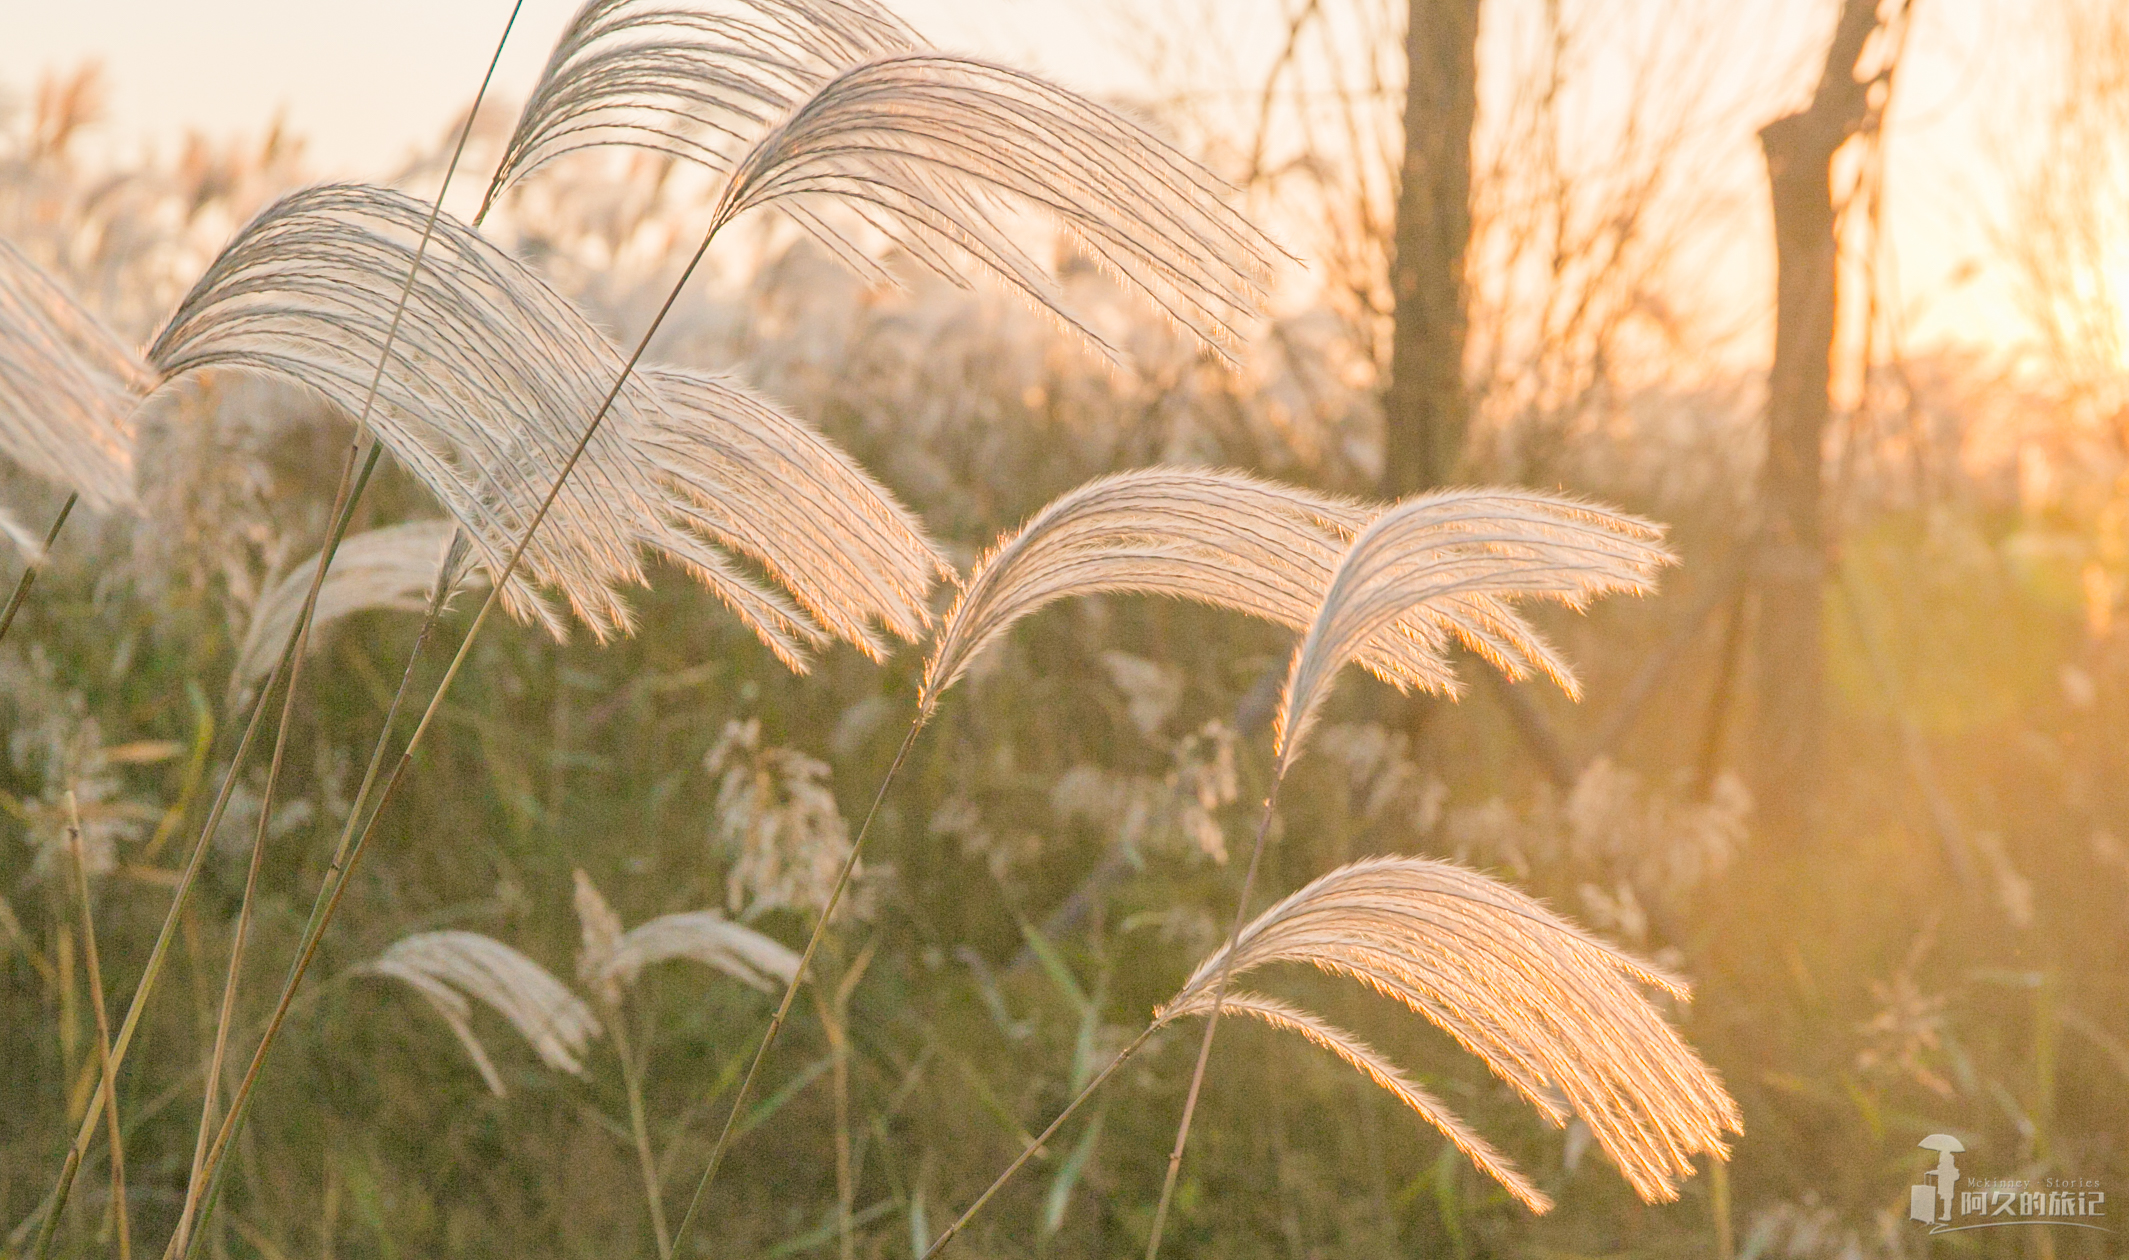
(1212, 1022)
(443, 688)
(632, 1079)
(103, 1018)
(1282, 544)
(805, 959)
(330, 891)
(348, 494)
(211, 1089)
(839, 1085)
(1042, 1139)
(29, 572)
(294, 655)
(834, 1012)
(157, 953)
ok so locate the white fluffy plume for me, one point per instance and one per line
(1553, 1011)
(390, 568)
(693, 82)
(1272, 551)
(832, 111)
(750, 477)
(1219, 538)
(68, 388)
(490, 383)
(612, 959)
(1445, 564)
(449, 967)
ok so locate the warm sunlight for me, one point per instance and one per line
(892, 629)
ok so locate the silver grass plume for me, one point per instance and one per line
(1237, 542)
(839, 119)
(488, 386)
(612, 959)
(22, 538)
(394, 568)
(68, 388)
(1466, 550)
(1551, 1010)
(754, 479)
(448, 967)
(709, 938)
(694, 83)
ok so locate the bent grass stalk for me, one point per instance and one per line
(1048, 559)
(647, 1163)
(783, 1008)
(156, 955)
(1212, 1023)
(349, 492)
(293, 653)
(308, 950)
(29, 572)
(1041, 1139)
(103, 1017)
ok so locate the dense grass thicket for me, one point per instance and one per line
(1066, 841)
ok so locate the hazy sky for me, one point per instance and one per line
(364, 84)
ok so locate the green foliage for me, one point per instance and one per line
(1041, 875)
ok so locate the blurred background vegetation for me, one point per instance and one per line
(1861, 772)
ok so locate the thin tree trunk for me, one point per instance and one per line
(1425, 409)
(1799, 150)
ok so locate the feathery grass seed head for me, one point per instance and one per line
(1444, 565)
(68, 388)
(449, 967)
(1550, 1009)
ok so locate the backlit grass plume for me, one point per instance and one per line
(612, 958)
(488, 386)
(745, 474)
(695, 83)
(1270, 550)
(1220, 538)
(831, 111)
(1553, 1011)
(390, 568)
(1450, 557)
(449, 967)
(68, 388)
(1454, 558)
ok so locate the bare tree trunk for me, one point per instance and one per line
(1423, 432)
(1799, 149)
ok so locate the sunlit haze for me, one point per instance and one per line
(365, 86)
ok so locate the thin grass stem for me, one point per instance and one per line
(428, 716)
(211, 1088)
(103, 1020)
(322, 909)
(29, 572)
(294, 655)
(1041, 1139)
(632, 1079)
(1212, 1023)
(342, 513)
(156, 956)
(783, 1008)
